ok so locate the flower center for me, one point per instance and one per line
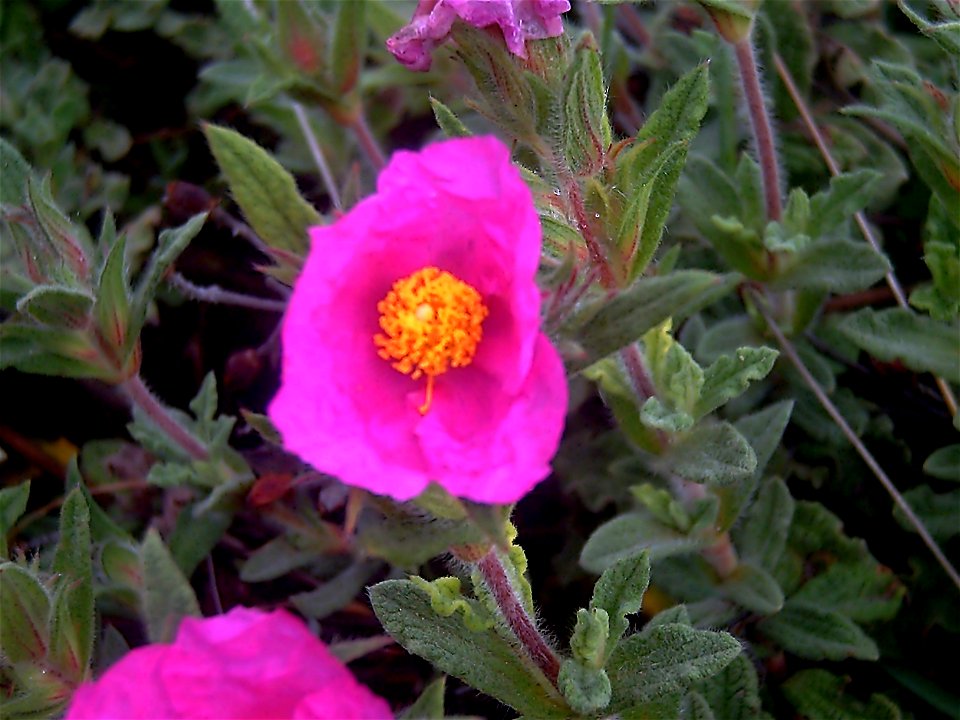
(431, 321)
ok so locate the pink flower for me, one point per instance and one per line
(244, 664)
(519, 20)
(412, 348)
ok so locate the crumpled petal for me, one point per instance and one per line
(244, 664)
(518, 20)
(494, 424)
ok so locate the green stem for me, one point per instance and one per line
(317, 154)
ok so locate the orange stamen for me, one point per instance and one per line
(431, 321)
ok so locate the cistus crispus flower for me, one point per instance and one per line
(412, 349)
(244, 664)
(518, 20)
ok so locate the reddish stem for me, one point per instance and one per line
(536, 648)
(140, 395)
(761, 126)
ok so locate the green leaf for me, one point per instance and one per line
(589, 638)
(647, 303)
(649, 665)
(943, 464)
(429, 706)
(820, 694)
(448, 122)
(265, 192)
(70, 241)
(619, 592)
(694, 706)
(657, 416)
(72, 614)
(940, 512)
(585, 688)
(111, 311)
(336, 593)
(835, 265)
(586, 128)
(13, 503)
(762, 535)
(349, 46)
(14, 173)
(818, 634)
(25, 607)
(946, 33)
(753, 588)
(711, 453)
(408, 537)
(167, 596)
(57, 306)
(481, 658)
(863, 591)
(920, 343)
(734, 693)
(630, 534)
(848, 193)
(731, 375)
(936, 695)
(169, 246)
(676, 375)
(196, 534)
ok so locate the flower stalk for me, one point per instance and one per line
(520, 622)
(760, 125)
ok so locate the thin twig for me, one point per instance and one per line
(317, 154)
(818, 139)
(533, 643)
(760, 124)
(368, 142)
(138, 394)
(825, 402)
(216, 294)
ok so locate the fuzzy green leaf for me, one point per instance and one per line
(170, 244)
(920, 343)
(619, 592)
(586, 127)
(864, 591)
(730, 375)
(167, 596)
(264, 190)
(337, 592)
(848, 193)
(753, 588)
(734, 693)
(649, 665)
(818, 634)
(628, 535)
(14, 173)
(835, 265)
(820, 694)
(647, 303)
(762, 535)
(711, 453)
(940, 512)
(448, 122)
(585, 688)
(429, 706)
(480, 658)
(112, 308)
(349, 46)
(57, 306)
(72, 618)
(13, 503)
(25, 608)
(944, 463)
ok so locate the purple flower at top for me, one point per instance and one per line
(519, 20)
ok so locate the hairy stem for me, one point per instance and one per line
(761, 126)
(216, 294)
(825, 402)
(721, 554)
(533, 643)
(317, 154)
(368, 142)
(599, 258)
(820, 142)
(138, 394)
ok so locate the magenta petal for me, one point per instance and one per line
(460, 206)
(244, 664)
(518, 20)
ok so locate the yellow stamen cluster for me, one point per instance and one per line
(431, 321)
